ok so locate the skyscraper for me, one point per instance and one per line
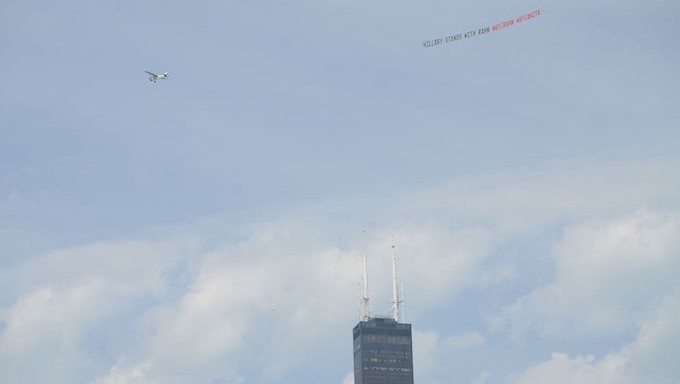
(383, 352)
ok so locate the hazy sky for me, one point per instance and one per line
(207, 229)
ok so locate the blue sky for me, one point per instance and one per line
(190, 231)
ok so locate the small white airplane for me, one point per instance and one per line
(154, 77)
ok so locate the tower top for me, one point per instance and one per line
(396, 303)
(365, 307)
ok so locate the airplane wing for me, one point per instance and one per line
(151, 73)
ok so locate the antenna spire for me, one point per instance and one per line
(401, 301)
(365, 308)
(396, 303)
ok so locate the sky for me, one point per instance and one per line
(209, 228)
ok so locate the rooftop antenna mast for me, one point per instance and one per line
(365, 308)
(401, 301)
(396, 303)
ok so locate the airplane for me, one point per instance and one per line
(154, 77)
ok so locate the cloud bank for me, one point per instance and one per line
(249, 304)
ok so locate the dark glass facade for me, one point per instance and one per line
(383, 352)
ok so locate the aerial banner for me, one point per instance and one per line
(482, 31)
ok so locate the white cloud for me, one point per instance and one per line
(463, 341)
(430, 351)
(290, 298)
(483, 378)
(65, 298)
(608, 273)
(551, 193)
(120, 375)
(425, 347)
(191, 307)
(650, 359)
(128, 267)
(654, 352)
(49, 327)
(614, 277)
(348, 379)
(267, 288)
(561, 369)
